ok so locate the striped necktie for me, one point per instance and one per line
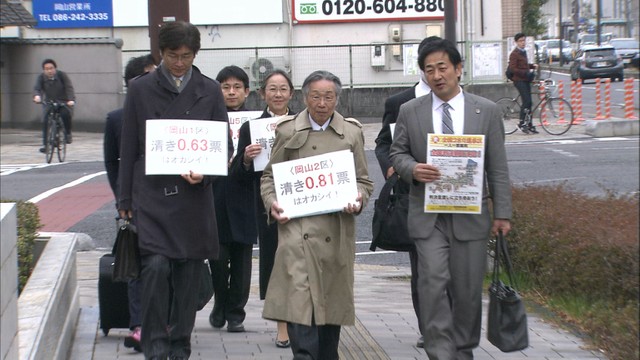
(447, 122)
(178, 82)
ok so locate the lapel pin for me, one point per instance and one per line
(477, 111)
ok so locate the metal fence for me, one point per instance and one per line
(353, 64)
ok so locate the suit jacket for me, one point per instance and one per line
(111, 145)
(410, 148)
(384, 139)
(235, 209)
(181, 225)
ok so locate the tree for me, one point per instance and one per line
(532, 24)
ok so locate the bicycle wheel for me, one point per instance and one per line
(62, 143)
(51, 141)
(556, 116)
(510, 110)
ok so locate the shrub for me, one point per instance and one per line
(28, 225)
(570, 245)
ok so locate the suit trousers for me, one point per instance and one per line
(413, 260)
(524, 88)
(315, 342)
(169, 305)
(231, 275)
(450, 278)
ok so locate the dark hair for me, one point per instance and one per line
(233, 71)
(439, 45)
(179, 33)
(423, 43)
(518, 36)
(276, 72)
(321, 75)
(136, 67)
(49, 61)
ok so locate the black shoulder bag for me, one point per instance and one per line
(389, 225)
(507, 319)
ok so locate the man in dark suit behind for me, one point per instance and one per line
(383, 144)
(451, 248)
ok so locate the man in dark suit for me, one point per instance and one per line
(112, 130)
(383, 144)
(451, 248)
(237, 232)
(174, 214)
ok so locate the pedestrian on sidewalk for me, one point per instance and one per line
(383, 144)
(174, 214)
(277, 91)
(451, 248)
(113, 128)
(311, 285)
(236, 218)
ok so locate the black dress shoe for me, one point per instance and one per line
(420, 342)
(69, 138)
(216, 320)
(283, 344)
(533, 130)
(235, 326)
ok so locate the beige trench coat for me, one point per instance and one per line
(313, 270)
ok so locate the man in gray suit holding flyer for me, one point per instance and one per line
(451, 247)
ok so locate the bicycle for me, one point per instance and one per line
(56, 138)
(555, 113)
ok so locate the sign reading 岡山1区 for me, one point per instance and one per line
(177, 146)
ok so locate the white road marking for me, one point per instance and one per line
(50, 192)
(564, 153)
(10, 169)
(528, 182)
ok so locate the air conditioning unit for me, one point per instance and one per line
(259, 68)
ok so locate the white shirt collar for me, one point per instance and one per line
(422, 88)
(316, 127)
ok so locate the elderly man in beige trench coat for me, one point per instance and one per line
(311, 286)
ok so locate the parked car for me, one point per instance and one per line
(553, 50)
(597, 62)
(635, 61)
(541, 51)
(626, 48)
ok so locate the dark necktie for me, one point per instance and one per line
(447, 122)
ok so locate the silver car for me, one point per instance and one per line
(593, 62)
(626, 48)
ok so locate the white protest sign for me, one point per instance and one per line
(316, 185)
(236, 119)
(263, 133)
(177, 146)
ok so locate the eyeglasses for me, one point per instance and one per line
(275, 90)
(327, 98)
(182, 57)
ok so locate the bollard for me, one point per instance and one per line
(628, 100)
(598, 101)
(561, 119)
(607, 98)
(543, 114)
(577, 109)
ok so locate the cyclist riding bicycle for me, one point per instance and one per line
(54, 85)
(522, 77)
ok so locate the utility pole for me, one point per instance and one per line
(561, 37)
(598, 15)
(450, 21)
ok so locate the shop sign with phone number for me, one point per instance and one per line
(321, 11)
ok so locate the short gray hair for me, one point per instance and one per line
(321, 75)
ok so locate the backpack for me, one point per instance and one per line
(508, 73)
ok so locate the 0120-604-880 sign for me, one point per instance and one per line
(321, 11)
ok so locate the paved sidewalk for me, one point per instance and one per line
(386, 327)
